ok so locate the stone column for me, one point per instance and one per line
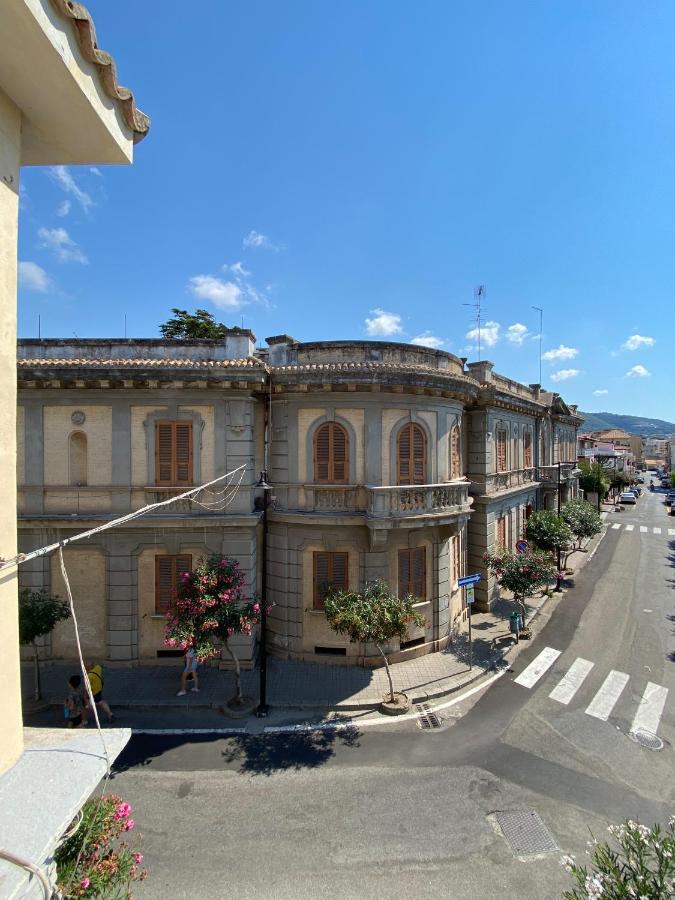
(122, 589)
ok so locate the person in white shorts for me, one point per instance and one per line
(191, 665)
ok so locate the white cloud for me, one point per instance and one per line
(638, 372)
(223, 294)
(564, 374)
(33, 277)
(427, 340)
(67, 183)
(237, 269)
(562, 352)
(600, 392)
(635, 341)
(489, 334)
(63, 209)
(95, 171)
(62, 245)
(255, 239)
(516, 333)
(383, 323)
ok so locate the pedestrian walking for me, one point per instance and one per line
(190, 671)
(95, 676)
(75, 704)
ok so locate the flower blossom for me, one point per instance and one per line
(84, 884)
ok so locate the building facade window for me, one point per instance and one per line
(527, 449)
(331, 570)
(501, 450)
(501, 532)
(455, 453)
(412, 573)
(411, 453)
(168, 573)
(77, 458)
(173, 453)
(331, 454)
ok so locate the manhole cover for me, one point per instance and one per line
(426, 718)
(646, 739)
(526, 833)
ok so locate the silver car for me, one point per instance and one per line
(627, 497)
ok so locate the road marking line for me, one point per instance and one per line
(603, 703)
(671, 531)
(656, 530)
(649, 711)
(531, 675)
(643, 529)
(572, 681)
(616, 525)
(629, 527)
(603, 515)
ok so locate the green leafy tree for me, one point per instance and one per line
(583, 520)
(549, 531)
(641, 864)
(619, 481)
(185, 325)
(520, 573)
(374, 616)
(593, 474)
(210, 606)
(38, 615)
(672, 479)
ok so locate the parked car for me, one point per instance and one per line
(670, 498)
(627, 497)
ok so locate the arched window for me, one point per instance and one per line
(331, 454)
(411, 447)
(455, 453)
(77, 458)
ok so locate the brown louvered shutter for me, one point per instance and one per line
(527, 440)
(183, 443)
(340, 454)
(418, 565)
(404, 455)
(339, 576)
(455, 453)
(322, 454)
(403, 573)
(501, 451)
(501, 532)
(419, 447)
(163, 453)
(330, 570)
(412, 455)
(168, 571)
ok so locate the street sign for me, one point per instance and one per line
(468, 579)
(522, 546)
(468, 594)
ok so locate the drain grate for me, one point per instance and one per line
(646, 739)
(426, 717)
(526, 833)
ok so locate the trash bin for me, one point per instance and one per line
(515, 622)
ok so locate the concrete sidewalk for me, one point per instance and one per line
(311, 686)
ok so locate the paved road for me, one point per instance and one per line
(401, 811)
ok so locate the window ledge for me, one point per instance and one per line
(43, 791)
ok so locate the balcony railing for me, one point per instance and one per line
(320, 498)
(418, 499)
(495, 482)
(549, 474)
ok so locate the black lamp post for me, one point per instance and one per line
(558, 577)
(263, 709)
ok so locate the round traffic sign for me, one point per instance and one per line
(522, 546)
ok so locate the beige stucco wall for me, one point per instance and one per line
(58, 427)
(87, 576)
(139, 451)
(11, 742)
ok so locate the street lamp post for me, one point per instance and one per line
(558, 579)
(263, 708)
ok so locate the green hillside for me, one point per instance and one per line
(632, 424)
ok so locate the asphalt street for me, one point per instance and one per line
(400, 810)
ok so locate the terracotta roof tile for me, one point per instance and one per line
(79, 15)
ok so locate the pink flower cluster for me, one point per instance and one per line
(122, 811)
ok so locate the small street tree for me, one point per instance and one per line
(549, 531)
(185, 325)
(520, 573)
(209, 606)
(593, 476)
(582, 519)
(374, 616)
(38, 615)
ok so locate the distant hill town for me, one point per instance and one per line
(632, 424)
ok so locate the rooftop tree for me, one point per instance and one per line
(185, 325)
(38, 615)
(374, 616)
(521, 573)
(583, 520)
(210, 607)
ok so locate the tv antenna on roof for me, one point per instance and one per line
(541, 328)
(478, 297)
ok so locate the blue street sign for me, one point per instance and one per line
(522, 546)
(468, 579)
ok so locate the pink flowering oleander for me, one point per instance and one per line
(138, 858)
(122, 811)
(128, 825)
(84, 884)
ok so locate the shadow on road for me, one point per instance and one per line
(266, 754)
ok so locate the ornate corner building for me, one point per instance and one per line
(386, 460)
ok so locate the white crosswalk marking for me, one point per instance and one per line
(603, 703)
(671, 532)
(539, 665)
(656, 530)
(643, 529)
(616, 525)
(629, 527)
(572, 681)
(649, 711)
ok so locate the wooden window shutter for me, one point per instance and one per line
(340, 454)
(403, 573)
(322, 454)
(419, 572)
(501, 451)
(412, 455)
(331, 454)
(527, 440)
(501, 532)
(163, 453)
(455, 453)
(330, 570)
(168, 570)
(173, 453)
(183, 442)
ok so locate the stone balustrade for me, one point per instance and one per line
(393, 501)
(549, 474)
(495, 482)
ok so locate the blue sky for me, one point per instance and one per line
(355, 170)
